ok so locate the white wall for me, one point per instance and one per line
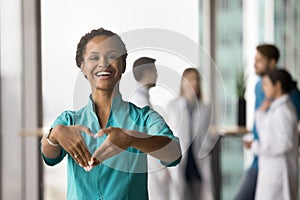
(63, 25)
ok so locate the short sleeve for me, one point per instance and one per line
(155, 123)
(65, 119)
(157, 126)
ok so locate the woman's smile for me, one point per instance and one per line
(102, 75)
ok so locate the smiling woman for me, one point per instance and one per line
(102, 65)
(107, 141)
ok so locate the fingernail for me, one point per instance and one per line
(88, 168)
(91, 162)
(85, 168)
(80, 165)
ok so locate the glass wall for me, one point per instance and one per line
(229, 54)
(226, 48)
(239, 26)
(287, 31)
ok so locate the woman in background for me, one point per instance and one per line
(278, 145)
(189, 119)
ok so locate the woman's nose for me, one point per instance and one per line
(102, 63)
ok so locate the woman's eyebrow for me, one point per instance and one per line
(97, 52)
(92, 52)
(113, 51)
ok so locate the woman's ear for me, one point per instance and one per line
(123, 63)
(272, 63)
(278, 86)
(83, 70)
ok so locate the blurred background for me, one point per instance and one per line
(38, 73)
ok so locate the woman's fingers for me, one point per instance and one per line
(82, 156)
(73, 142)
(105, 151)
(85, 130)
(116, 142)
(100, 133)
(118, 137)
(98, 153)
(84, 152)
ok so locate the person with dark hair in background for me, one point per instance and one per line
(108, 140)
(277, 146)
(189, 118)
(145, 73)
(266, 59)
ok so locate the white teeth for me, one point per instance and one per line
(103, 73)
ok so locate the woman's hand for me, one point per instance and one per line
(116, 142)
(265, 105)
(247, 144)
(69, 138)
(119, 140)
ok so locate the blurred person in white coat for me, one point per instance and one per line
(189, 119)
(145, 73)
(278, 145)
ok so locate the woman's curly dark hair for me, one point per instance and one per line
(87, 37)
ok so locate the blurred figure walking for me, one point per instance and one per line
(189, 118)
(145, 73)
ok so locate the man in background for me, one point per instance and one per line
(266, 59)
(145, 73)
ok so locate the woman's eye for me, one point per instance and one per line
(111, 57)
(94, 58)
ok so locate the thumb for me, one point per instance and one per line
(100, 133)
(85, 130)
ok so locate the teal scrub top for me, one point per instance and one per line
(124, 176)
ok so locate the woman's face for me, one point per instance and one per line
(269, 88)
(150, 76)
(102, 63)
(190, 84)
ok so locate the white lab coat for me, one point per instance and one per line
(177, 117)
(277, 149)
(158, 175)
(140, 96)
